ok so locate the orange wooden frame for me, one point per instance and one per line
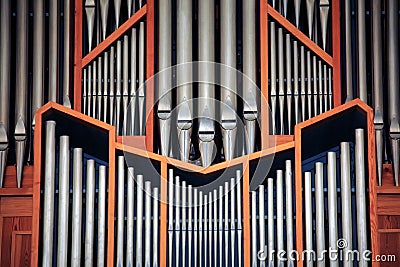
(147, 11)
(334, 60)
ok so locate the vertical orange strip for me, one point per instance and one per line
(163, 214)
(37, 150)
(149, 73)
(298, 191)
(264, 73)
(246, 213)
(78, 55)
(111, 197)
(372, 184)
(337, 93)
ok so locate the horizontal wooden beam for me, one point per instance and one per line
(300, 35)
(114, 36)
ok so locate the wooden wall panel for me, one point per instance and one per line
(389, 244)
(10, 227)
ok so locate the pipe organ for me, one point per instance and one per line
(199, 133)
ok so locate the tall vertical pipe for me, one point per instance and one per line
(76, 208)
(220, 223)
(281, 82)
(261, 211)
(141, 91)
(228, 94)
(105, 88)
(315, 91)
(85, 94)
(67, 57)
(132, 104)
(89, 223)
(99, 88)
(393, 81)
(377, 84)
(210, 226)
(171, 214)
(120, 211)
(118, 87)
(195, 226)
(250, 95)
(125, 85)
(112, 82)
(139, 221)
(63, 201)
(101, 218)
(270, 222)
(362, 54)
(147, 225)
(349, 57)
(164, 83)
(254, 251)
(289, 82)
(201, 208)
(273, 76)
(346, 199)
(21, 85)
(38, 55)
(320, 212)
(289, 212)
(239, 215)
(89, 91)
(303, 83)
(362, 236)
(190, 224)
(184, 92)
(206, 108)
(177, 220)
(296, 92)
(320, 88)
(94, 90)
(279, 214)
(130, 217)
(309, 92)
(324, 13)
(155, 226)
(48, 203)
(226, 222)
(53, 47)
(215, 229)
(5, 51)
(205, 228)
(308, 216)
(233, 230)
(184, 225)
(326, 105)
(104, 6)
(332, 205)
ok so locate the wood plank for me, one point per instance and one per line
(111, 198)
(388, 223)
(5, 249)
(389, 244)
(150, 70)
(388, 205)
(15, 206)
(16, 192)
(138, 142)
(10, 177)
(21, 248)
(78, 22)
(300, 36)
(298, 185)
(127, 25)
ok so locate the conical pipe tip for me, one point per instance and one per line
(207, 152)
(3, 163)
(20, 155)
(184, 143)
(165, 130)
(229, 141)
(250, 135)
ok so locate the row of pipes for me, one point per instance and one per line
(206, 110)
(313, 9)
(204, 226)
(99, 21)
(35, 74)
(85, 214)
(308, 92)
(377, 82)
(325, 188)
(113, 84)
